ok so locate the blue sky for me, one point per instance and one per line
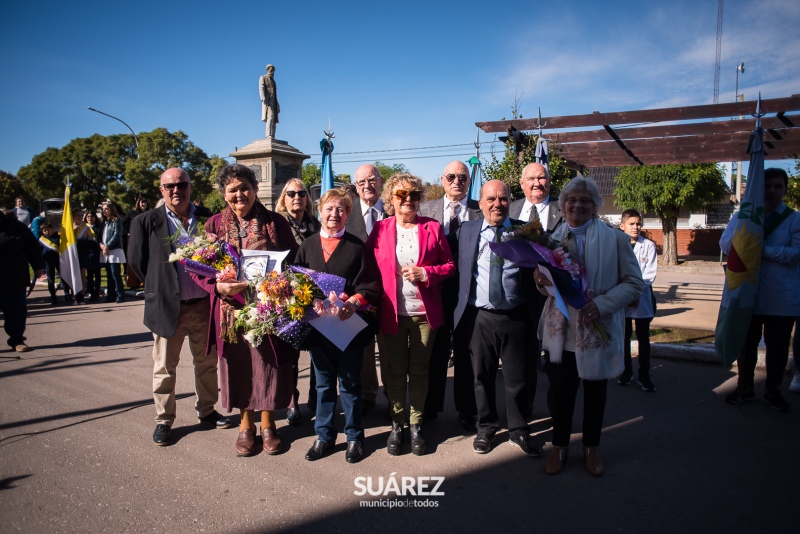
(389, 75)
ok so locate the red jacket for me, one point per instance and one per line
(434, 257)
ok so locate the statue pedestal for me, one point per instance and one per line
(274, 162)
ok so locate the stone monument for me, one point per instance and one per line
(273, 161)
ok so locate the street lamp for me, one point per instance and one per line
(739, 68)
(135, 140)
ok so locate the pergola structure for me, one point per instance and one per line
(692, 134)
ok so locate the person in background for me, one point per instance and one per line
(84, 240)
(24, 214)
(49, 242)
(200, 210)
(575, 347)
(642, 310)
(19, 250)
(451, 211)
(140, 206)
(778, 295)
(113, 256)
(36, 225)
(295, 206)
(414, 259)
(93, 275)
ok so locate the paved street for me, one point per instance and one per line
(76, 419)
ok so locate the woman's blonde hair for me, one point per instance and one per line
(336, 194)
(399, 178)
(280, 207)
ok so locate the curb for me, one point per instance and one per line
(699, 353)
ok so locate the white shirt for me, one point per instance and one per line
(409, 301)
(462, 213)
(543, 208)
(378, 211)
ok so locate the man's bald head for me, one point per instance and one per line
(535, 182)
(456, 180)
(368, 182)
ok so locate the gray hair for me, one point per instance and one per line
(585, 184)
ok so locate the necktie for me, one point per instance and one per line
(455, 209)
(373, 216)
(496, 273)
(534, 214)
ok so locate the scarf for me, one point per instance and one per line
(260, 235)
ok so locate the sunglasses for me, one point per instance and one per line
(301, 194)
(414, 196)
(461, 178)
(182, 186)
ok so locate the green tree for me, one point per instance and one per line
(388, 170)
(792, 198)
(663, 190)
(509, 168)
(10, 189)
(311, 174)
(100, 167)
(433, 191)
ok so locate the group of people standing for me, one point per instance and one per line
(424, 280)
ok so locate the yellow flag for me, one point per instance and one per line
(69, 266)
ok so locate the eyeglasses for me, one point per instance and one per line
(301, 194)
(370, 181)
(573, 200)
(182, 186)
(402, 194)
(461, 178)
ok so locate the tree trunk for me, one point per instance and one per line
(669, 243)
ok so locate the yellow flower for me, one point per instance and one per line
(303, 294)
(296, 312)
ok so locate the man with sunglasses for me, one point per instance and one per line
(537, 205)
(451, 211)
(174, 306)
(366, 213)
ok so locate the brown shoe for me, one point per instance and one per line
(555, 463)
(594, 464)
(246, 442)
(271, 440)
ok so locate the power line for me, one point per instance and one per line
(404, 149)
(405, 158)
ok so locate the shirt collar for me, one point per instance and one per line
(326, 235)
(378, 206)
(506, 224)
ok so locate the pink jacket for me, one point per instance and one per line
(434, 257)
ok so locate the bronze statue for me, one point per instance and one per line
(269, 100)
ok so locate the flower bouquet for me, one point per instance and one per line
(285, 303)
(205, 255)
(529, 246)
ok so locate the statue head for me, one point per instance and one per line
(270, 70)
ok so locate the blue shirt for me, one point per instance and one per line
(188, 288)
(512, 289)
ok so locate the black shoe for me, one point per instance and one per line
(394, 445)
(354, 452)
(482, 443)
(162, 435)
(53, 301)
(293, 416)
(646, 383)
(109, 299)
(215, 419)
(776, 400)
(467, 421)
(318, 450)
(366, 406)
(526, 445)
(418, 445)
(738, 397)
(625, 378)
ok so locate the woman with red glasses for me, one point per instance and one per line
(414, 259)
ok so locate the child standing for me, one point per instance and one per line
(642, 310)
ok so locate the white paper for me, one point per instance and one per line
(338, 332)
(257, 263)
(552, 290)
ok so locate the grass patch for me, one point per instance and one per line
(680, 335)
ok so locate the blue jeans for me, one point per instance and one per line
(331, 364)
(115, 286)
(14, 306)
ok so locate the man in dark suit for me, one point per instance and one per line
(494, 310)
(537, 204)
(174, 306)
(451, 211)
(366, 212)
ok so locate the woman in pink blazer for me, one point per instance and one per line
(414, 258)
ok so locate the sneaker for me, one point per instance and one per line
(625, 378)
(776, 401)
(22, 347)
(646, 383)
(737, 397)
(794, 387)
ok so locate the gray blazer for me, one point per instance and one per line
(555, 217)
(435, 210)
(355, 222)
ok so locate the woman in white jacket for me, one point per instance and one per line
(641, 310)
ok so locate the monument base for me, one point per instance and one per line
(274, 163)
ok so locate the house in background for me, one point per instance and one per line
(698, 232)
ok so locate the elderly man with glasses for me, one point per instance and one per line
(537, 205)
(451, 210)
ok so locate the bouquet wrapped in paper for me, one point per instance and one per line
(207, 256)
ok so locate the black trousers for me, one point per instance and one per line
(777, 331)
(643, 337)
(463, 376)
(437, 369)
(564, 382)
(495, 337)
